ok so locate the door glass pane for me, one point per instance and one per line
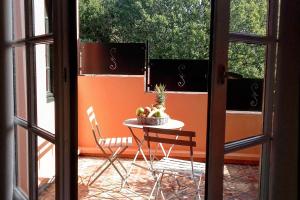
(242, 174)
(249, 16)
(20, 82)
(245, 89)
(247, 60)
(22, 159)
(46, 169)
(45, 100)
(18, 20)
(42, 17)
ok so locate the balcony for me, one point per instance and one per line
(240, 182)
(115, 99)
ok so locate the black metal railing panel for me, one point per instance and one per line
(179, 75)
(113, 58)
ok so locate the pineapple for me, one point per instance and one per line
(160, 98)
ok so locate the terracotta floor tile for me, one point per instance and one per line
(240, 182)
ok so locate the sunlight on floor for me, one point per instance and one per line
(240, 182)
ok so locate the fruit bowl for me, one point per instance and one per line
(154, 114)
(156, 120)
(153, 120)
(141, 120)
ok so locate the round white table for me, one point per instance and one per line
(172, 124)
(133, 124)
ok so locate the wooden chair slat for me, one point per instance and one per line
(170, 141)
(170, 132)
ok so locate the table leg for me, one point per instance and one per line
(140, 150)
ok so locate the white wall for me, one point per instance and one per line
(45, 109)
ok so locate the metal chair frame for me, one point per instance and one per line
(111, 151)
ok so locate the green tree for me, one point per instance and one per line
(175, 29)
(246, 60)
(93, 21)
(248, 16)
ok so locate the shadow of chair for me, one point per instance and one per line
(111, 148)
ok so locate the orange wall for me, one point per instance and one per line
(115, 98)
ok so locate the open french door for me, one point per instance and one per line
(220, 146)
(44, 49)
(217, 101)
(66, 37)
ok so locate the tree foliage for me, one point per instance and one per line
(248, 16)
(175, 29)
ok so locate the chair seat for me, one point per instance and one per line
(116, 142)
(178, 165)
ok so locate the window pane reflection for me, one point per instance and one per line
(249, 16)
(20, 82)
(44, 87)
(22, 160)
(18, 20)
(42, 17)
(46, 169)
(245, 89)
(242, 174)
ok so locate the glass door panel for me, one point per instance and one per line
(35, 107)
(245, 91)
(42, 17)
(246, 60)
(18, 20)
(45, 101)
(46, 169)
(242, 174)
(249, 17)
(21, 138)
(249, 56)
(20, 82)
(246, 137)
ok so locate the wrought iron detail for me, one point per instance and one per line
(113, 59)
(181, 68)
(254, 95)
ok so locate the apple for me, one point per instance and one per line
(157, 114)
(139, 111)
(160, 113)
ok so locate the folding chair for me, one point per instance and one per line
(172, 166)
(111, 148)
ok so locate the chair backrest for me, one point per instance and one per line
(158, 135)
(93, 122)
